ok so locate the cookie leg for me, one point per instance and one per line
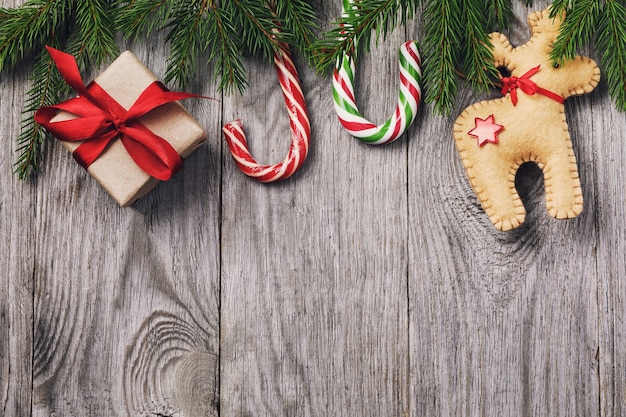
(499, 198)
(564, 196)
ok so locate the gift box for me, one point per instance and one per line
(125, 80)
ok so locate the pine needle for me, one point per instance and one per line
(226, 31)
(477, 60)
(602, 21)
(500, 19)
(299, 19)
(577, 29)
(442, 41)
(257, 27)
(93, 39)
(46, 90)
(611, 43)
(186, 37)
(142, 16)
(25, 28)
(367, 19)
(229, 70)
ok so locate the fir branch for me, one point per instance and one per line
(559, 6)
(441, 44)
(229, 69)
(256, 25)
(576, 30)
(298, 18)
(186, 37)
(47, 88)
(477, 59)
(227, 30)
(500, 18)
(93, 40)
(611, 43)
(379, 17)
(23, 30)
(142, 16)
(28, 27)
(356, 29)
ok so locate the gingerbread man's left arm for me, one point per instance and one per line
(501, 50)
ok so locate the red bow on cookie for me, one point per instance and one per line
(511, 84)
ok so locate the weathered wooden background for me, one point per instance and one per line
(369, 284)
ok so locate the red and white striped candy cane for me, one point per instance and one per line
(409, 95)
(298, 120)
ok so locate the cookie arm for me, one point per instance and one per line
(501, 49)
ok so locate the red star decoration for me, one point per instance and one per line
(486, 130)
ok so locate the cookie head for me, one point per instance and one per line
(545, 27)
(576, 76)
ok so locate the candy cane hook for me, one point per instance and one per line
(298, 120)
(408, 98)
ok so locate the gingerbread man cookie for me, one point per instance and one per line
(494, 137)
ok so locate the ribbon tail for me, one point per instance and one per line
(531, 72)
(91, 150)
(554, 96)
(87, 125)
(155, 95)
(527, 86)
(69, 70)
(153, 154)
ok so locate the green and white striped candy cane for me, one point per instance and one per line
(408, 99)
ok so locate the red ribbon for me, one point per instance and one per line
(511, 84)
(102, 120)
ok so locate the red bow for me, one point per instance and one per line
(102, 120)
(511, 84)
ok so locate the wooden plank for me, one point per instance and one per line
(314, 308)
(126, 299)
(16, 267)
(609, 151)
(501, 323)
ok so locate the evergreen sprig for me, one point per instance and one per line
(136, 17)
(297, 18)
(25, 28)
(229, 70)
(477, 56)
(603, 23)
(611, 43)
(441, 43)
(188, 28)
(356, 26)
(47, 87)
(454, 41)
(501, 16)
(82, 27)
(222, 32)
(226, 31)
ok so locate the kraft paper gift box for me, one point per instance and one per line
(114, 169)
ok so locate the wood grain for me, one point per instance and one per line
(609, 152)
(17, 261)
(371, 283)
